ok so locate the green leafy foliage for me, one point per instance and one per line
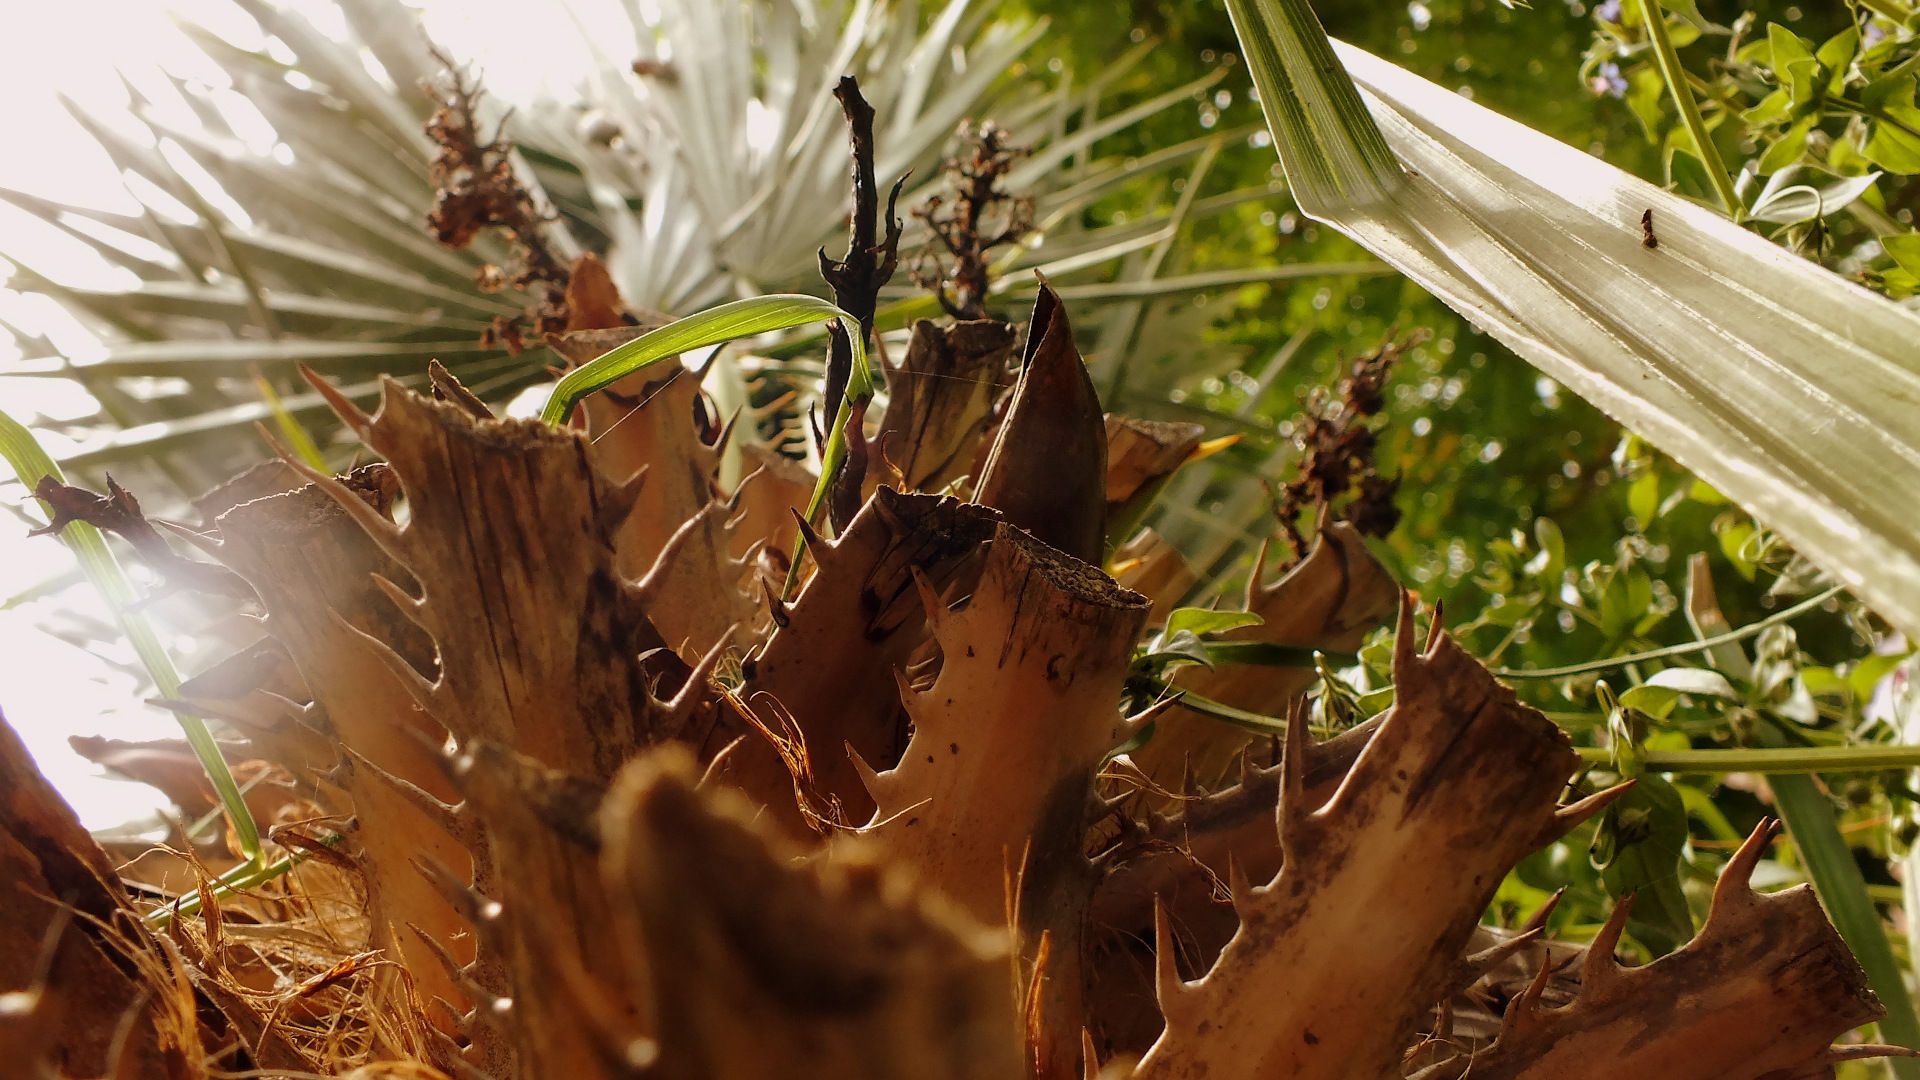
(1818, 106)
(1639, 849)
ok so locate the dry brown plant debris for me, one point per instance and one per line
(118, 512)
(889, 845)
(968, 224)
(580, 797)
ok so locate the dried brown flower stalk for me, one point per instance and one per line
(1337, 448)
(478, 190)
(974, 220)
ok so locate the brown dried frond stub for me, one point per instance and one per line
(1762, 991)
(760, 964)
(85, 989)
(829, 669)
(1047, 471)
(1458, 767)
(974, 220)
(478, 190)
(941, 401)
(1337, 448)
(481, 696)
(995, 783)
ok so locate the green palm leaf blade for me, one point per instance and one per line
(337, 65)
(392, 33)
(1787, 388)
(1076, 196)
(334, 205)
(233, 358)
(109, 313)
(1210, 280)
(75, 221)
(349, 271)
(296, 313)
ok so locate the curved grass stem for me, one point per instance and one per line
(717, 326)
(1676, 79)
(1703, 645)
(247, 875)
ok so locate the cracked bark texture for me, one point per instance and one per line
(991, 797)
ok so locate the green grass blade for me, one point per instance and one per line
(1772, 760)
(30, 462)
(714, 326)
(291, 430)
(1668, 63)
(1207, 280)
(1686, 649)
(188, 904)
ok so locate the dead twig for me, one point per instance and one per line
(856, 281)
(118, 512)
